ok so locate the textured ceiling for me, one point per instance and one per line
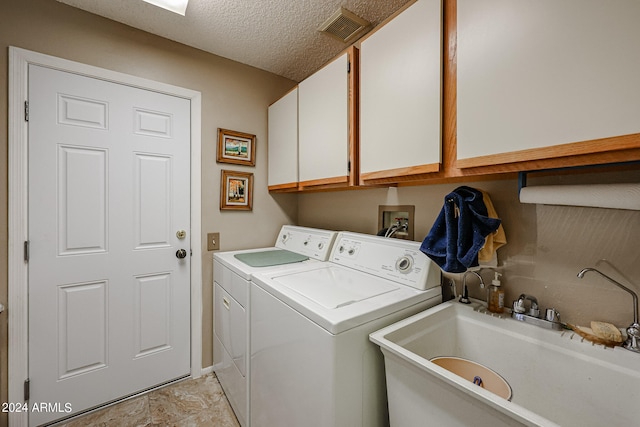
(279, 36)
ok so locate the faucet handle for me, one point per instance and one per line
(552, 315)
(518, 306)
(633, 338)
(534, 310)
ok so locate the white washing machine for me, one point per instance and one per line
(312, 363)
(233, 270)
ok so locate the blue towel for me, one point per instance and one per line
(459, 231)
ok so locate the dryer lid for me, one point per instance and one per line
(335, 287)
(270, 257)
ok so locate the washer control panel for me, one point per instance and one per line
(312, 242)
(393, 259)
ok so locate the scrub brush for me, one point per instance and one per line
(600, 333)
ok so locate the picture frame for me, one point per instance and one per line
(236, 191)
(236, 147)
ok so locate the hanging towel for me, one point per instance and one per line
(488, 256)
(460, 231)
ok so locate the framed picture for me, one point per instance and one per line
(236, 147)
(236, 191)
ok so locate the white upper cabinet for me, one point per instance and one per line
(324, 125)
(283, 143)
(546, 78)
(400, 95)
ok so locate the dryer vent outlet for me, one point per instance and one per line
(345, 25)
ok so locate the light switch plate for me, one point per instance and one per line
(213, 241)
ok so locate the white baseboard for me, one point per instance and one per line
(207, 370)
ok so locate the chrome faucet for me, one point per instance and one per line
(633, 331)
(518, 306)
(532, 315)
(464, 298)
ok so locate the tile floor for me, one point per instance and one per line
(189, 403)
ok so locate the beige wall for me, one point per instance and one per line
(234, 96)
(547, 245)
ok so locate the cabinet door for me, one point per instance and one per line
(283, 143)
(323, 121)
(545, 78)
(400, 95)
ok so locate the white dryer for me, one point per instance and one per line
(312, 363)
(233, 270)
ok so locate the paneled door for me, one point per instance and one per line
(109, 233)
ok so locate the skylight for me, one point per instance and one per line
(176, 6)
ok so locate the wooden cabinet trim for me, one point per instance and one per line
(449, 81)
(400, 173)
(354, 116)
(289, 187)
(588, 159)
(338, 180)
(572, 149)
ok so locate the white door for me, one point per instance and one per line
(109, 300)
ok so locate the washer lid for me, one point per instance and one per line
(335, 287)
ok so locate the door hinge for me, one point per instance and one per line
(27, 389)
(26, 251)
(349, 166)
(190, 252)
(349, 67)
(26, 111)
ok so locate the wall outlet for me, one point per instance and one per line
(213, 241)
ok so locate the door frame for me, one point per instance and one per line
(18, 309)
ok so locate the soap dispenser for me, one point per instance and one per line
(495, 295)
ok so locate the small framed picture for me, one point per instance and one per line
(236, 191)
(236, 147)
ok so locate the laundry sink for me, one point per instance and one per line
(557, 377)
(477, 373)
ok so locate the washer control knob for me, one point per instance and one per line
(404, 264)
(341, 249)
(320, 245)
(352, 251)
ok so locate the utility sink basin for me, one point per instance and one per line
(558, 379)
(478, 374)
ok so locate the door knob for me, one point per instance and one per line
(181, 253)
